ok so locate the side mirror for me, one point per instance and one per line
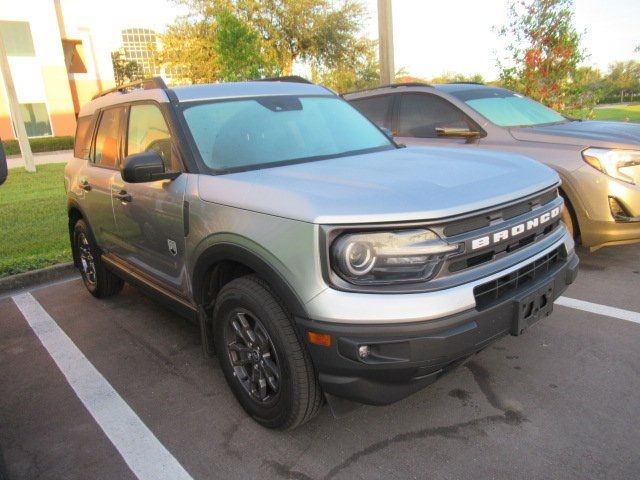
(457, 132)
(4, 171)
(145, 167)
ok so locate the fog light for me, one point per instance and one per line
(618, 212)
(364, 351)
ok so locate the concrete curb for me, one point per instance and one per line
(30, 279)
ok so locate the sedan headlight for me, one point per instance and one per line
(621, 164)
(379, 258)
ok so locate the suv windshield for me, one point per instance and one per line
(508, 109)
(252, 133)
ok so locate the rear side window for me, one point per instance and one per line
(420, 115)
(106, 151)
(148, 132)
(84, 131)
(376, 109)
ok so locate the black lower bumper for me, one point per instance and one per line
(405, 358)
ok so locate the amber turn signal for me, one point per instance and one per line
(321, 339)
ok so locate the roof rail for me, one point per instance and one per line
(144, 84)
(391, 85)
(465, 83)
(287, 78)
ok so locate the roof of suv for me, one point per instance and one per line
(208, 91)
(443, 87)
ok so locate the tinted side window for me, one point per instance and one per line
(84, 132)
(420, 115)
(375, 109)
(148, 132)
(106, 152)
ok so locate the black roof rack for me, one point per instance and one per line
(286, 78)
(391, 85)
(144, 84)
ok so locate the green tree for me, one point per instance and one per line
(622, 79)
(324, 34)
(239, 50)
(450, 77)
(544, 50)
(125, 71)
(363, 72)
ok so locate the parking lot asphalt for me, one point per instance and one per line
(560, 401)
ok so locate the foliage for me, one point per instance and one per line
(544, 50)
(621, 113)
(33, 220)
(239, 50)
(363, 72)
(623, 77)
(41, 144)
(272, 35)
(125, 71)
(450, 77)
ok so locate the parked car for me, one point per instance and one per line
(598, 162)
(317, 256)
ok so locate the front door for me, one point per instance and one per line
(420, 114)
(149, 216)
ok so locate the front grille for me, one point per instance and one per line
(505, 213)
(490, 293)
(500, 250)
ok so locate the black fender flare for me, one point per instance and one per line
(232, 252)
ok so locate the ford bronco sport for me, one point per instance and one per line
(319, 258)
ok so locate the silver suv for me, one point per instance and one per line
(320, 259)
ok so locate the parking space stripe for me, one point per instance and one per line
(147, 458)
(628, 315)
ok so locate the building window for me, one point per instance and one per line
(17, 39)
(36, 119)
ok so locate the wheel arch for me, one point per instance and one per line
(74, 213)
(226, 255)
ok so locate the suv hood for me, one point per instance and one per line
(391, 186)
(583, 133)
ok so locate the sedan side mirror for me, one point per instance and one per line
(4, 171)
(457, 132)
(145, 167)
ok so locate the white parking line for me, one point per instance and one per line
(147, 458)
(628, 315)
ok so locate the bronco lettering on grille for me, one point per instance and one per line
(515, 230)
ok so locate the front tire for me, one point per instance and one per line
(264, 362)
(100, 281)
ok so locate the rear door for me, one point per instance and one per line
(420, 114)
(149, 216)
(96, 176)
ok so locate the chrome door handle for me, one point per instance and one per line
(123, 196)
(85, 185)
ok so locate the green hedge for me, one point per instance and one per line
(42, 144)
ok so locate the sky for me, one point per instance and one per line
(432, 37)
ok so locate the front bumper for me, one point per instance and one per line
(409, 356)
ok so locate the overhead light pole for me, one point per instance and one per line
(14, 109)
(385, 42)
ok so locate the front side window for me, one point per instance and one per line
(106, 152)
(267, 131)
(375, 109)
(36, 119)
(148, 132)
(509, 109)
(421, 114)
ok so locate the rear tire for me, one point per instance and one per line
(264, 361)
(100, 281)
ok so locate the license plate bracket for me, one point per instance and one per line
(531, 307)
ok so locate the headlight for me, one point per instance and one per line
(401, 256)
(621, 164)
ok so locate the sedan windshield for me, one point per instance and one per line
(508, 109)
(244, 134)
